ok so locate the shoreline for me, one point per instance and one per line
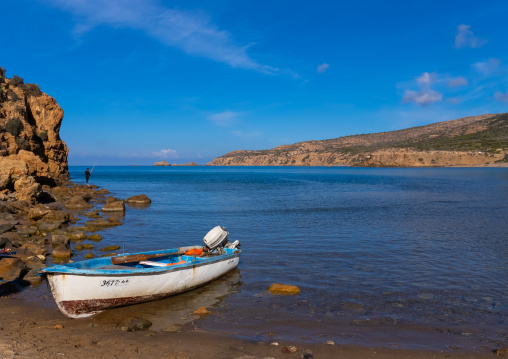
(37, 328)
(29, 332)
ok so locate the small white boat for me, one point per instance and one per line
(82, 289)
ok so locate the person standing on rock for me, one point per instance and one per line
(87, 175)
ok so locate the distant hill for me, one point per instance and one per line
(469, 141)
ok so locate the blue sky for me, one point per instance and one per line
(148, 80)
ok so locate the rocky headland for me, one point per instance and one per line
(40, 210)
(469, 141)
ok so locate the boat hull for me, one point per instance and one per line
(82, 295)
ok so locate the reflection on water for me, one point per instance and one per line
(176, 311)
(373, 250)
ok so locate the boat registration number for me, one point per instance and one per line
(114, 282)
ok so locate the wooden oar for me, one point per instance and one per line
(141, 257)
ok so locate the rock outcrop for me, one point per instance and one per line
(469, 141)
(31, 151)
(162, 163)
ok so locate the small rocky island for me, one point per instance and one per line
(164, 163)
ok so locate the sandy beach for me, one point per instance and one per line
(29, 331)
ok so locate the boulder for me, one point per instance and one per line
(62, 251)
(111, 199)
(36, 248)
(46, 226)
(76, 235)
(57, 239)
(38, 212)
(19, 206)
(11, 268)
(118, 206)
(57, 216)
(139, 199)
(6, 225)
(78, 202)
(89, 255)
(102, 191)
(33, 264)
(10, 171)
(27, 189)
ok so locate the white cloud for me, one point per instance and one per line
(465, 38)
(487, 67)
(424, 97)
(190, 32)
(457, 81)
(225, 119)
(169, 153)
(503, 97)
(425, 79)
(322, 68)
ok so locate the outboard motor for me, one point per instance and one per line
(217, 238)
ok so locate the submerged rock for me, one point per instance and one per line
(284, 289)
(202, 311)
(95, 237)
(110, 248)
(103, 223)
(138, 324)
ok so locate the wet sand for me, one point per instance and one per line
(35, 331)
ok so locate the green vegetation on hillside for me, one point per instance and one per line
(488, 140)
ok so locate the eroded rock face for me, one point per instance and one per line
(31, 151)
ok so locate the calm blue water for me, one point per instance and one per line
(405, 250)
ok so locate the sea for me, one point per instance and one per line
(413, 258)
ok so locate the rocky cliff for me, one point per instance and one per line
(469, 141)
(31, 151)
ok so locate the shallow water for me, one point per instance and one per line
(419, 253)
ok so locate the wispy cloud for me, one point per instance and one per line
(225, 119)
(169, 153)
(322, 68)
(466, 38)
(457, 81)
(503, 97)
(424, 97)
(487, 67)
(190, 32)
